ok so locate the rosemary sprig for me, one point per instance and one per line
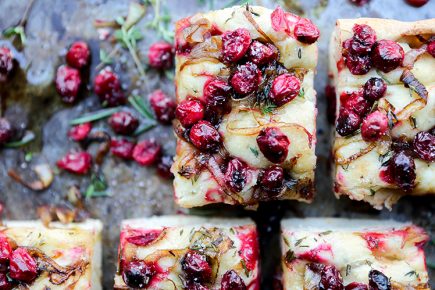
(94, 116)
(144, 128)
(139, 104)
(28, 137)
(19, 30)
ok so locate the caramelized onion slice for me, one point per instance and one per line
(414, 84)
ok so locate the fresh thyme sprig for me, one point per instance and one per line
(161, 21)
(139, 104)
(19, 30)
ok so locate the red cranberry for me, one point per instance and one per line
(330, 279)
(196, 286)
(260, 53)
(431, 48)
(417, 3)
(273, 143)
(271, 181)
(236, 175)
(164, 167)
(387, 55)
(355, 102)
(204, 136)
(402, 169)
(358, 64)
(285, 88)
(374, 89)
(363, 39)
(78, 55)
(76, 162)
(235, 44)
(246, 79)
(378, 281)
(189, 112)
(374, 126)
(138, 274)
(356, 286)
(196, 267)
(6, 63)
(122, 148)
(23, 266)
(123, 123)
(6, 131)
(163, 106)
(161, 55)
(306, 31)
(232, 281)
(347, 122)
(216, 93)
(5, 282)
(80, 132)
(424, 146)
(5, 252)
(147, 152)
(359, 2)
(108, 88)
(68, 82)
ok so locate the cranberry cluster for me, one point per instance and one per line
(363, 51)
(6, 63)
(16, 265)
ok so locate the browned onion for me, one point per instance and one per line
(344, 161)
(414, 84)
(412, 56)
(254, 23)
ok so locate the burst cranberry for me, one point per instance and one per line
(232, 281)
(78, 55)
(189, 112)
(138, 274)
(273, 143)
(358, 65)
(330, 279)
(163, 106)
(216, 93)
(424, 146)
(417, 3)
(374, 126)
(196, 267)
(402, 170)
(204, 136)
(68, 82)
(355, 101)
(147, 152)
(260, 53)
(23, 266)
(431, 48)
(164, 166)
(246, 79)
(236, 175)
(122, 148)
(76, 162)
(123, 123)
(387, 55)
(271, 181)
(363, 39)
(235, 44)
(108, 88)
(378, 281)
(356, 286)
(6, 131)
(306, 31)
(5, 252)
(161, 55)
(80, 132)
(374, 89)
(347, 122)
(6, 63)
(285, 88)
(359, 2)
(5, 282)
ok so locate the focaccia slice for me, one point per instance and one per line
(33, 256)
(183, 252)
(382, 71)
(246, 110)
(357, 254)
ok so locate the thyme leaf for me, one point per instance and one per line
(254, 151)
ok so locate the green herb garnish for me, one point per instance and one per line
(94, 116)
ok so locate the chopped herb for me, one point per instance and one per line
(254, 151)
(413, 122)
(139, 104)
(372, 192)
(28, 137)
(268, 108)
(299, 53)
(385, 158)
(345, 167)
(286, 241)
(181, 232)
(289, 256)
(247, 272)
(369, 263)
(412, 273)
(97, 187)
(94, 116)
(232, 231)
(325, 233)
(298, 242)
(348, 269)
(302, 93)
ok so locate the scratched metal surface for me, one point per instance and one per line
(137, 191)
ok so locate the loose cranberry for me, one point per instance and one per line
(431, 48)
(374, 89)
(355, 101)
(216, 93)
(246, 79)
(232, 281)
(108, 88)
(5, 252)
(356, 286)
(424, 146)
(358, 65)
(189, 112)
(5, 283)
(138, 274)
(123, 123)
(271, 181)
(359, 2)
(402, 168)
(196, 267)
(273, 143)
(6, 131)
(236, 175)
(374, 126)
(164, 166)
(285, 88)
(76, 162)
(78, 55)
(261, 54)
(387, 55)
(204, 136)
(163, 106)
(80, 132)
(161, 55)
(330, 279)
(235, 44)
(147, 152)
(378, 281)
(68, 82)
(6, 63)
(347, 122)
(122, 148)
(363, 39)
(417, 3)
(306, 31)
(23, 266)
